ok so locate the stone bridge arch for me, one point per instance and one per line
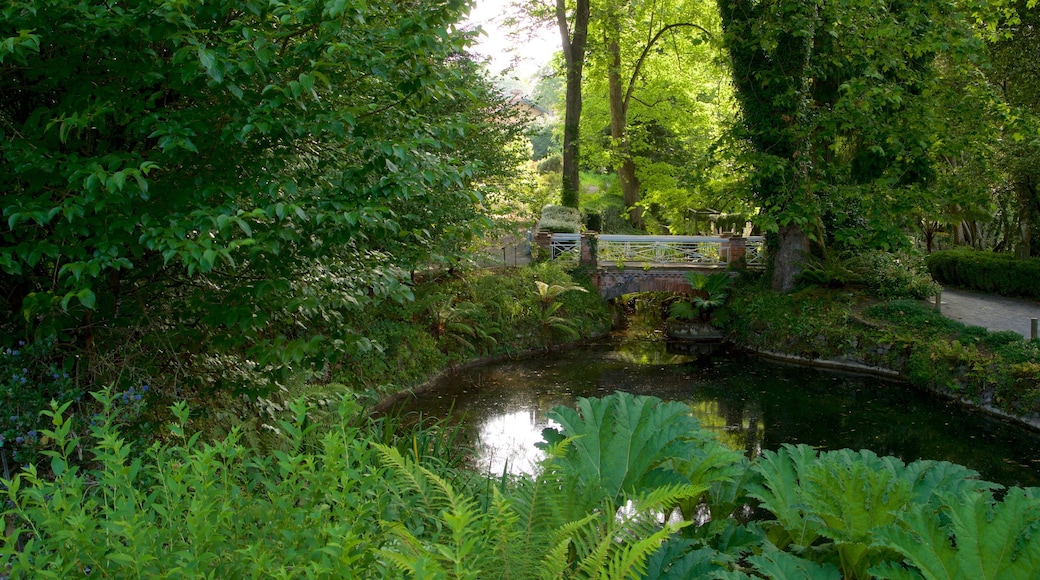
(613, 283)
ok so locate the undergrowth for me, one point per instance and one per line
(933, 352)
(631, 487)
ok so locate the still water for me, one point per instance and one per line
(750, 403)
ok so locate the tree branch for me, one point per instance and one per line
(646, 51)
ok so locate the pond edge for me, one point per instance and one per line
(891, 375)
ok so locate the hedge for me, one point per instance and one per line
(987, 272)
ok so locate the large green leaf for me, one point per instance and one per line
(780, 491)
(968, 536)
(679, 559)
(853, 493)
(623, 444)
(779, 565)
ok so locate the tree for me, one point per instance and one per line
(225, 180)
(574, 30)
(642, 28)
(830, 95)
(1015, 75)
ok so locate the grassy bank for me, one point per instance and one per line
(996, 369)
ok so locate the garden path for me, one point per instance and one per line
(989, 310)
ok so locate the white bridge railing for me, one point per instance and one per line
(698, 250)
(755, 252)
(566, 246)
(706, 250)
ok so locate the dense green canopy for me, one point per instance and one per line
(240, 171)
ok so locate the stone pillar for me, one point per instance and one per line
(543, 240)
(736, 252)
(590, 249)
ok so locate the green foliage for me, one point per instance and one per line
(971, 536)
(31, 376)
(830, 507)
(891, 275)
(986, 272)
(204, 191)
(478, 313)
(549, 316)
(831, 272)
(907, 336)
(561, 219)
(350, 495)
(553, 164)
(197, 508)
(622, 445)
(838, 114)
(917, 315)
(715, 289)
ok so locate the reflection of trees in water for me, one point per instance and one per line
(738, 426)
(751, 404)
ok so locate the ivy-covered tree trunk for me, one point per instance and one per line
(772, 87)
(1015, 76)
(1028, 216)
(836, 106)
(574, 41)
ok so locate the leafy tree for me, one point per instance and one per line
(196, 179)
(831, 96)
(631, 35)
(1015, 75)
(572, 20)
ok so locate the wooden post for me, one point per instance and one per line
(1032, 328)
(938, 300)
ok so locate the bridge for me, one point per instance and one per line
(623, 264)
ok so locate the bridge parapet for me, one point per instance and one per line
(593, 249)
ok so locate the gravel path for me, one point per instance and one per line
(989, 310)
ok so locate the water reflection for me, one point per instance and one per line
(752, 405)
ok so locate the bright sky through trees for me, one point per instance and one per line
(502, 47)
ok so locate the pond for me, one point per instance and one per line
(750, 403)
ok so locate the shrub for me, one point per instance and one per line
(560, 219)
(552, 164)
(986, 271)
(894, 275)
(31, 376)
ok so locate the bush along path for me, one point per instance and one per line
(899, 339)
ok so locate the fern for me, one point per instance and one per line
(457, 537)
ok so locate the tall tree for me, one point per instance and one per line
(829, 94)
(574, 33)
(571, 18)
(1015, 74)
(631, 33)
(230, 177)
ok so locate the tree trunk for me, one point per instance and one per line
(1026, 214)
(789, 259)
(574, 57)
(626, 167)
